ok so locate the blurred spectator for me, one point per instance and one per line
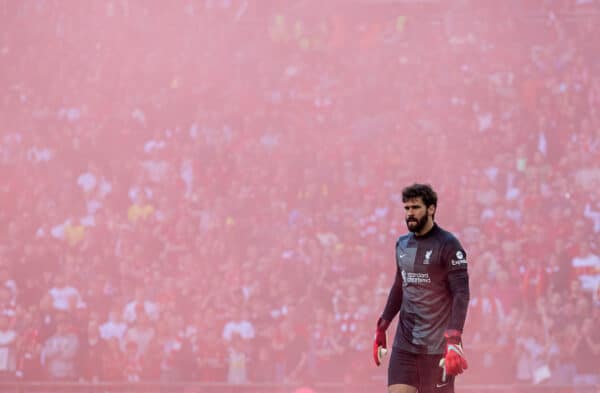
(530, 351)
(114, 362)
(98, 296)
(329, 351)
(558, 272)
(178, 361)
(7, 307)
(141, 209)
(8, 350)
(277, 342)
(29, 347)
(586, 351)
(133, 362)
(586, 266)
(114, 327)
(485, 306)
(138, 305)
(212, 356)
(561, 357)
(139, 335)
(238, 360)
(241, 327)
(59, 353)
(7, 281)
(490, 358)
(64, 296)
(93, 354)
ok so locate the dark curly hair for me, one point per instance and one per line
(423, 191)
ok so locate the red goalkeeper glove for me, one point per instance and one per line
(380, 343)
(454, 361)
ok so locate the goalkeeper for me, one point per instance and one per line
(431, 292)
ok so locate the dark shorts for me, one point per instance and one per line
(421, 371)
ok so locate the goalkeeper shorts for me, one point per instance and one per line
(419, 370)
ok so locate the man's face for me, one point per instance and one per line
(417, 214)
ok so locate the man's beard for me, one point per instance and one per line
(417, 225)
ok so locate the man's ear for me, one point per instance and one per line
(431, 210)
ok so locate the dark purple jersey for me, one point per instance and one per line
(431, 290)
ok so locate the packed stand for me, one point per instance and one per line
(211, 191)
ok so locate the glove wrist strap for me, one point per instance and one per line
(453, 336)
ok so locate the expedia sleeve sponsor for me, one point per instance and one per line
(456, 255)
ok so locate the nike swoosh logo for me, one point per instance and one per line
(441, 385)
(401, 255)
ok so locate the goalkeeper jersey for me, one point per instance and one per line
(430, 290)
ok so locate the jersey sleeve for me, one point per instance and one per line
(455, 258)
(394, 300)
(454, 255)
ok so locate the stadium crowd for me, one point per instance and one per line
(210, 190)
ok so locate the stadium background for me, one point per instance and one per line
(209, 191)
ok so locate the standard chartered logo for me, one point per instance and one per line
(416, 278)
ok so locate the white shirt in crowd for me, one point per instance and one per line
(588, 270)
(61, 296)
(129, 312)
(243, 328)
(113, 329)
